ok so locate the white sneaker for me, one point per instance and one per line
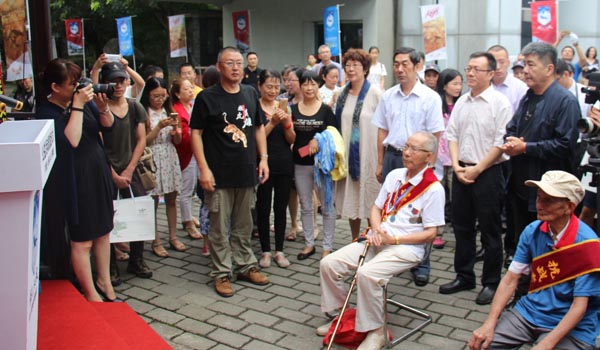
(375, 340)
(265, 260)
(322, 330)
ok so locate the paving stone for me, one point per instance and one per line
(167, 302)
(139, 306)
(164, 330)
(165, 316)
(292, 315)
(196, 327)
(139, 293)
(196, 312)
(259, 345)
(256, 294)
(287, 303)
(226, 308)
(193, 341)
(227, 322)
(266, 334)
(171, 291)
(233, 339)
(260, 318)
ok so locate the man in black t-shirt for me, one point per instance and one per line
(251, 71)
(227, 120)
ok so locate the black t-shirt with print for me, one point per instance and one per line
(307, 126)
(228, 134)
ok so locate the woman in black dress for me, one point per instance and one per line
(85, 178)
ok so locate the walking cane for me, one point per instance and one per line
(361, 260)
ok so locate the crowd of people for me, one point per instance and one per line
(495, 160)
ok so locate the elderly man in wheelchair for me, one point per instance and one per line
(405, 216)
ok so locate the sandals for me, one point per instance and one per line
(159, 250)
(291, 235)
(193, 232)
(177, 245)
(196, 222)
(121, 255)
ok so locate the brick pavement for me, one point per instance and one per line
(179, 301)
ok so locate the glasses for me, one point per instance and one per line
(290, 80)
(231, 64)
(550, 200)
(353, 66)
(159, 97)
(476, 70)
(410, 148)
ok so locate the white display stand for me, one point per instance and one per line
(27, 152)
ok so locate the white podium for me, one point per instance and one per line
(27, 152)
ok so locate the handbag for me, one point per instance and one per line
(133, 219)
(346, 335)
(146, 170)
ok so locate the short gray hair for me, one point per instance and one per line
(431, 142)
(545, 52)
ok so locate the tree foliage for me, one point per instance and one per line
(149, 21)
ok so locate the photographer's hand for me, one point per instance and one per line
(82, 96)
(595, 116)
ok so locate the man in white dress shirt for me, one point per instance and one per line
(475, 134)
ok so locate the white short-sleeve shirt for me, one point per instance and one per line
(425, 211)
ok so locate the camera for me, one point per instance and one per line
(592, 95)
(107, 89)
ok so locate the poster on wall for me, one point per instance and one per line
(125, 36)
(433, 19)
(543, 21)
(177, 38)
(15, 35)
(241, 30)
(74, 36)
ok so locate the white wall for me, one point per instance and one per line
(471, 25)
(282, 32)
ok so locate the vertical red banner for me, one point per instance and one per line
(74, 35)
(241, 30)
(543, 21)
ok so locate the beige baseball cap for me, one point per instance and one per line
(560, 184)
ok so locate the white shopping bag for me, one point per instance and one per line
(133, 220)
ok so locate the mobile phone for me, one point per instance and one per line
(113, 57)
(173, 116)
(283, 104)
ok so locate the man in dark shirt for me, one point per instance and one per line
(251, 71)
(542, 134)
(226, 118)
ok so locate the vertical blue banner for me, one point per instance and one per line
(125, 36)
(331, 29)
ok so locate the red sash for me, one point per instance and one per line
(565, 264)
(406, 194)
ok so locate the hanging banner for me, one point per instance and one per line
(241, 30)
(543, 21)
(433, 18)
(15, 34)
(74, 36)
(331, 29)
(125, 36)
(177, 38)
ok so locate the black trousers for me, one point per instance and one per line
(480, 201)
(277, 187)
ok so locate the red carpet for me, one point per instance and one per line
(68, 321)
